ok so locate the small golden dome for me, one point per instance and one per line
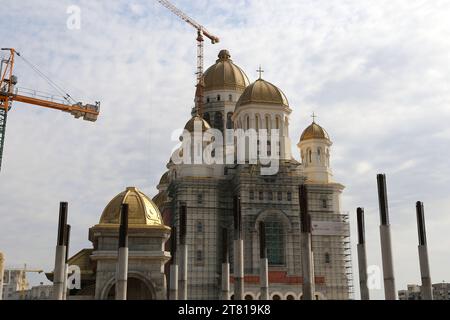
(190, 125)
(224, 74)
(314, 131)
(141, 210)
(262, 92)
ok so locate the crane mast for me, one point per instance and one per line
(9, 93)
(201, 31)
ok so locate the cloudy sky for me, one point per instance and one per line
(376, 73)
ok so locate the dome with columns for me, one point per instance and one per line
(262, 92)
(314, 131)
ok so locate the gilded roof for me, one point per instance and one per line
(160, 199)
(141, 210)
(314, 131)
(191, 123)
(224, 74)
(262, 92)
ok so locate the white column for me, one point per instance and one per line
(58, 273)
(2, 270)
(388, 268)
(264, 278)
(362, 266)
(308, 267)
(427, 288)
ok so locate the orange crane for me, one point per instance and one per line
(201, 30)
(9, 93)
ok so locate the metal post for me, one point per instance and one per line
(2, 270)
(427, 289)
(362, 257)
(307, 254)
(182, 293)
(385, 237)
(264, 264)
(225, 267)
(66, 270)
(60, 256)
(173, 285)
(238, 251)
(122, 257)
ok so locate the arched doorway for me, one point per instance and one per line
(136, 290)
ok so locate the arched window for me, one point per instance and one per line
(267, 123)
(290, 297)
(319, 155)
(206, 117)
(248, 297)
(230, 97)
(247, 121)
(229, 121)
(207, 99)
(257, 122)
(327, 258)
(199, 227)
(218, 97)
(277, 123)
(310, 156)
(274, 241)
(276, 297)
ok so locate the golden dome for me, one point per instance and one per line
(314, 131)
(165, 178)
(141, 210)
(191, 124)
(262, 92)
(224, 74)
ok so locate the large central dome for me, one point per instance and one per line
(262, 92)
(141, 210)
(224, 74)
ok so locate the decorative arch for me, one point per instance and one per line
(131, 275)
(262, 215)
(249, 296)
(290, 296)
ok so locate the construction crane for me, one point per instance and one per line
(9, 93)
(201, 31)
